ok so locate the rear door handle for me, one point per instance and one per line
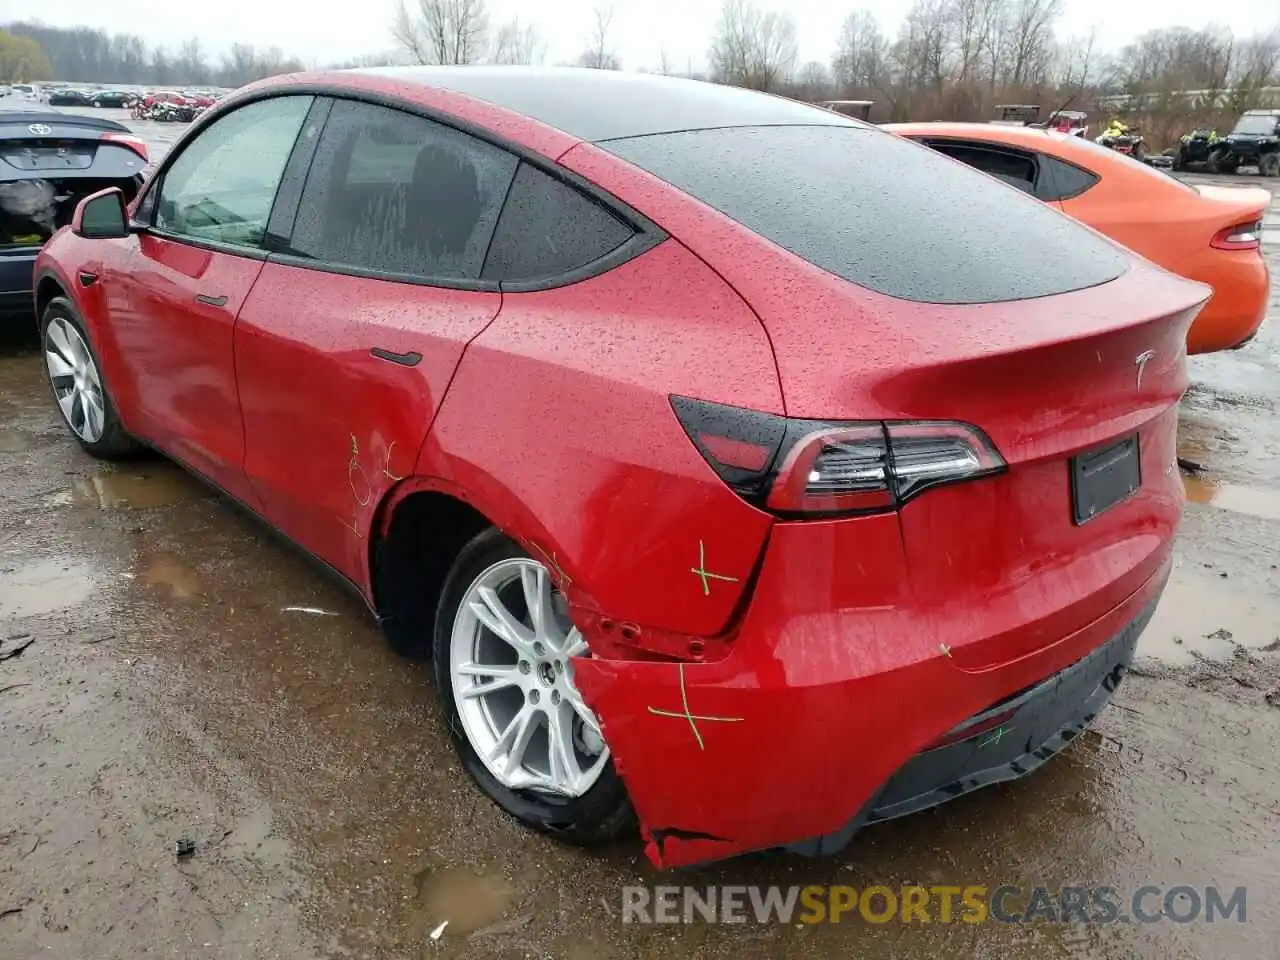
(211, 301)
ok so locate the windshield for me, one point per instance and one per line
(1257, 124)
(881, 212)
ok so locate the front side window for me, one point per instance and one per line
(223, 184)
(394, 193)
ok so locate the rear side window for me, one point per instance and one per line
(392, 193)
(1067, 179)
(1015, 169)
(881, 211)
(548, 229)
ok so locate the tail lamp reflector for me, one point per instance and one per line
(1243, 236)
(808, 467)
(136, 144)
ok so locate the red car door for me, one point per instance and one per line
(183, 279)
(348, 341)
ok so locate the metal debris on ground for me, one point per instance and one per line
(318, 611)
(438, 932)
(185, 847)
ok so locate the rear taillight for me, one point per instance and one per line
(1243, 236)
(819, 468)
(136, 144)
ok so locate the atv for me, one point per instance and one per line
(1201, 147)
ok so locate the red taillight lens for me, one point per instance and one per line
(1243, 236)
(136, 144)
(815, 468)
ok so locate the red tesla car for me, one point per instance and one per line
(748, 471)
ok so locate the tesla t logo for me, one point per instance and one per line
(39, 130)
(1140, 361)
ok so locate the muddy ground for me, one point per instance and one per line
(183, 675)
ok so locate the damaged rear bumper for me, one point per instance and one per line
(1009, 740)
(821, 722)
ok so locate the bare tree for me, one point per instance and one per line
(1031, 40)
(813, 82)
(1078, 61)
(664, 62)
(752, 48)
(598, 54)
(406, 33)
(923, 50)
(442, 31)
(861, 58)
(518, 43)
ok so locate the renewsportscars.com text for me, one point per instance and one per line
(934, 904)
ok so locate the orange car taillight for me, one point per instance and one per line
(1242, 236)
(136, 144)
(808, 468)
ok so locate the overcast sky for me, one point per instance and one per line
(321, 31)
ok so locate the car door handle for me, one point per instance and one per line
(411, 359)
(211, 301)
(88, 279)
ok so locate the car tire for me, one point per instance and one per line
(1269, 165)
(600, 814)
(71, 367)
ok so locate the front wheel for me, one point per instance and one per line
(504, 653)
(78, 387)
(1269, 165)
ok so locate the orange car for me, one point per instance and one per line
(1210, 234)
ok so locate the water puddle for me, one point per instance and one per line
(1203, 616)
(43, 587)
(469, 901)
(156, 488)
(1227, 496)
(167, 573)
(15, 441)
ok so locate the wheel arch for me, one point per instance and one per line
(49, 286)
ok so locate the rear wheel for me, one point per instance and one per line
(78, 388)
(1269, 165)
(504, 673)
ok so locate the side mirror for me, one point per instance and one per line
(101, 216)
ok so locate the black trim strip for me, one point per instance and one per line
(648, 233)
(410, 359)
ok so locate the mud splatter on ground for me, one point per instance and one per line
(167, 693)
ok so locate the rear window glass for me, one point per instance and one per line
(881, 212)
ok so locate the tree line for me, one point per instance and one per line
(946, 59)
(86, 55)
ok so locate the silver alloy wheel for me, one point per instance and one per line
(75, 379)
(513, 683)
